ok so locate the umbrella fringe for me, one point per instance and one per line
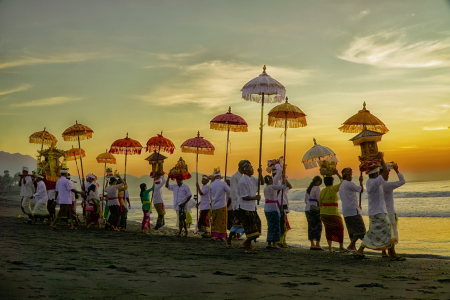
(154, 148)
(254, 95)
(360, 128)
(123, 150)
(71, 137)
(291, 123)
(36, 140)
(206, 151)
(232, 127)
(107, 161)
(312, 163)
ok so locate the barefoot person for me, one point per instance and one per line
(181, 195)
(40, 197)
(379, 235)
(26, 191)
(218, 190)
(204, 225)
(236, 228)
(350, 207)
(247, 198)
(271, 210)
(63, 194)
(329, 213)
(388, 189)
(158, 202)
(312, 212)
(146, 205)
(112, 192)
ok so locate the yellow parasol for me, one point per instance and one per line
(363, 120)
(43, 138)
(72, 154)
(105, 157)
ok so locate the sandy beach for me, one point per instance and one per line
(38, 262)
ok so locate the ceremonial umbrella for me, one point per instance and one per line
(363, 120)
(43, 138)
(78, 132)
(317, 153)
(227, 122)
(105, 158)
(197, 145)
(286, 115)
(72, 154)
(260, 89)
(126, 146)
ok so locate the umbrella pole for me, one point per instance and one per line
(226, 157)
(284, 160)
(360, 197)
(154, 175)
(196, 179)
(104, 180)
(126, 154)
(260, 142)
(81, 162)
(78, 170)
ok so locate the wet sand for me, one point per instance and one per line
(38, 262)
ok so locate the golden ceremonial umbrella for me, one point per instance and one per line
(78, 132)
(43, 138)
(72, 154)
(227, 122)
(286, 115)
(105, 158)
(363, 120)
(260, 89)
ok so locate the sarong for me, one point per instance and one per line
(251, 222)
(314, 225)
(230, 219)
(123, 217)
(114, 217)
(161, 210)
(273, 224)
(394, 220)
(51, 207)
(219, 223)
(203, 221)
(334, 227)
(379, 236)
(65, 212)
(40, 210)
(355, 227)
(181, 212)
(237, 226)
(146, 220)
(26, 205)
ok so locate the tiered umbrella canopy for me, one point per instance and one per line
(159, 143)
(43, 138)
(78, 132)
(197, 145)
(126, 146)
(317, 153)
(363, 120)
(260, 89)
(286, 115)
(228, 122)
(105, 158)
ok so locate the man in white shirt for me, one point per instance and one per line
(64, 197)
(388, 189)
(26, 191)
(74, 217)
(350, 207)
(112, 192)
(236, 228)
(247, 189)
(218, 190)
(181, 195)
(379, 235)
(204, 224)
(40, 197)
(158, 202)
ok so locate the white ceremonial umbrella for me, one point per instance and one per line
(317, 153)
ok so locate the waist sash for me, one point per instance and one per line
(330, 204)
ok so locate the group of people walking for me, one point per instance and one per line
(228, 209)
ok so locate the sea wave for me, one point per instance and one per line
(300, 194)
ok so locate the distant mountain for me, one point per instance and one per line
(14, 162)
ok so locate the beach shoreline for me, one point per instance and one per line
(38, 262)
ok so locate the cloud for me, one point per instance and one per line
(391, 49)
(20, 88)
(361, 15)
(46, 102)
(27, 60)
(435, 128)
(177, 56)
(212, 83)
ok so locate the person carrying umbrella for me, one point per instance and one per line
(40, 197)
(204, 224)
(218, 190)
(113, 201)
(247, 195)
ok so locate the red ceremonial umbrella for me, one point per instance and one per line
(227, 122)
(197, 145)
(126, 146)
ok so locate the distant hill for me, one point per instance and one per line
(14, 162)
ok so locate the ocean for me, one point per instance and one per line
(423, 209)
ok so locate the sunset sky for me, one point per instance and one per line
(145, 66)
